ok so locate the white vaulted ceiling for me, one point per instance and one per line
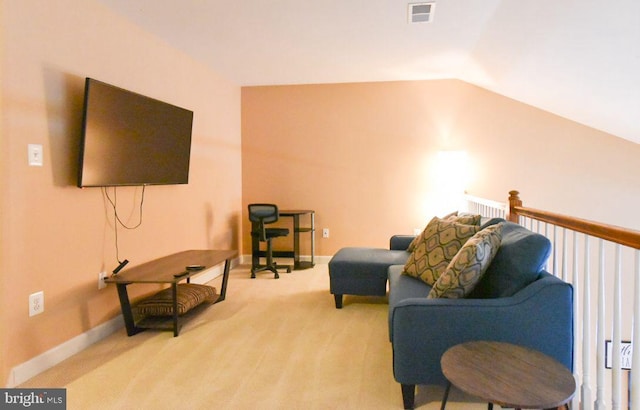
(577, 59)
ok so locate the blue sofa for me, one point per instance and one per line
(516, 301)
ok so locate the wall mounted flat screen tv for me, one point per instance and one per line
(131, 139)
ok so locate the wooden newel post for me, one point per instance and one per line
(514, 200)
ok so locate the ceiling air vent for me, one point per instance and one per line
(421, 12)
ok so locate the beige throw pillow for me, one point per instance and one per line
(438, 244)
(466, 269)
(467, 219)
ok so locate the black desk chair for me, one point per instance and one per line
(261, 215)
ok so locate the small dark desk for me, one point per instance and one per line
(293, 253)
(162, 270)
(508, 375)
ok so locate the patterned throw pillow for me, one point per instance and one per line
(467, 219)
(439, 243)
(467, 267)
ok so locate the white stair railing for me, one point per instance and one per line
(618, 281)
(635, 390)
(485, 207)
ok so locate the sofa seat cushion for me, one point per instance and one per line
(403, 287)
(520, 259)
(436, 247)
(362, 271)
(469, 265)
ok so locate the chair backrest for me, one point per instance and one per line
(262, 214)
(267, 213)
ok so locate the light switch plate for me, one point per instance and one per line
(35, 155)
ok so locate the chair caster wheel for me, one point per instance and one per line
(288, 269)
(276, 276)
(253, 275)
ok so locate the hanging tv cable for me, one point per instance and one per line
(117, 221)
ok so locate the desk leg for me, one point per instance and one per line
(125, 306)
(225, 280)
(174, 293)
(296, 241)
(313, 238)
(255, 248)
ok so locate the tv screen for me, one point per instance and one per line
(130, 139)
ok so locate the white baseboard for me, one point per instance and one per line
(246, 259)
(212, 273)
(25, 371)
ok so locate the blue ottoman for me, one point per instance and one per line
(362, 271)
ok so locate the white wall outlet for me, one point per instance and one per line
(417, 231)
(101, 277)
(325, 232)
(36, 303)
(35, 155)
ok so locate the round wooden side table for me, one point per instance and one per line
(508, 375)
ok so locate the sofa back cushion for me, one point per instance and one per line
(518, 262)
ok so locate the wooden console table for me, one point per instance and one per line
(508, 375)
(170, 270)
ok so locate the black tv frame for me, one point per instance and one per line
(129, 139)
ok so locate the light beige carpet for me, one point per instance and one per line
(272, 344)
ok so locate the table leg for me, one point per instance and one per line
(174, 292)
(225, 280)
(125, 306)
(446, 396)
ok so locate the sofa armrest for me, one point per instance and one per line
(540, 316)
(400, 242)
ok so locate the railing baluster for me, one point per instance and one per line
(635, 381)
(616, 376)
(555, 250)
(600, 327)
(564, 257)
(576, 317)
(587, 402)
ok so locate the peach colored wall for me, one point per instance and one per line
(56, 237)
(364, 156)
(3, 210)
